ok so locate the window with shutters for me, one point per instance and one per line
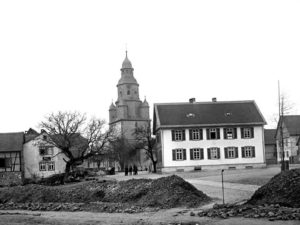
(179, 154)
(247, 132)
(195, 134)
(196, 153)
(231, 152)
(229, 133)
(248, 152)
(213, 133)
(178, 135)
(213, 153)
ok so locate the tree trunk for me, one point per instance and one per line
(154, 166)
(67, 170)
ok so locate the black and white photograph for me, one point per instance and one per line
(139, 112)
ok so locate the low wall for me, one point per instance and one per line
(10, 178)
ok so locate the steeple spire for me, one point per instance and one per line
(126, 63)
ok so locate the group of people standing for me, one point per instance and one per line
(131, 170)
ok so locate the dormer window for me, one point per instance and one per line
(128, 92)
(190, 115)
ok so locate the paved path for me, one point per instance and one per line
(227, 185)
(234, 192)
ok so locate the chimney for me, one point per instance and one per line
(192, 100)
(214, 99)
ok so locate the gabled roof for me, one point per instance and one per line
(207, 114)
(292, 124)
(270, 136)
(30, 135)
(11, 142)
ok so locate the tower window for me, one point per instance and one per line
(128, 92)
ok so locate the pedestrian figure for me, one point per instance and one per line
(126, 170)
(130, 170)
(135, 169)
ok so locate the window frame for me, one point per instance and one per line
(179, 154)
(233, 133)
(42, 166)
(248, 152)
(213, 151)
(213, 130)
(51, 165)
(247, 132)
(231, 152)
(196, 134)
(196, 153)
(178, 135)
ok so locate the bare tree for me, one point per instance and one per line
(121, 151)
(77, 138)
(284, 108)
(145, 141)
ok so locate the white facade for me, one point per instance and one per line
(168, 145)
(41, 162)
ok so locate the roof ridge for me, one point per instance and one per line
(5, 133)
(208, 102)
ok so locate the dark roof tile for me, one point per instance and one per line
(11, 142)
(292, 123)
(208, 113)
(270, 138)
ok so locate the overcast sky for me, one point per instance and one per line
(67, 55)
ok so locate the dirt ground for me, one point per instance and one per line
(162, 217)
(239, 186)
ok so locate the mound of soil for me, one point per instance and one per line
(282, 189)
(165, 192)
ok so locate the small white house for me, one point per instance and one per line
(40, 158)
(203, 135)
(291, 133)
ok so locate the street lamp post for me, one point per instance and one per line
(223, 186)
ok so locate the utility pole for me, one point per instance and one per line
(281, 140)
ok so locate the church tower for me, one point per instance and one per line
(128, 111)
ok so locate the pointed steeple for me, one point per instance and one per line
(126, 63)
(112, 106)
(145, 103)
(127, 72)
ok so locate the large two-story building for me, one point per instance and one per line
(197, 135)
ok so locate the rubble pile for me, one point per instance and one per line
(271, 212)
(282, 189)
(110, 196)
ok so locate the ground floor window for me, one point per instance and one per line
(213, 153)
(248, 152)
(196, 153)
(179, 154)
(44, 166)
(231, 152)
(51, 166)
